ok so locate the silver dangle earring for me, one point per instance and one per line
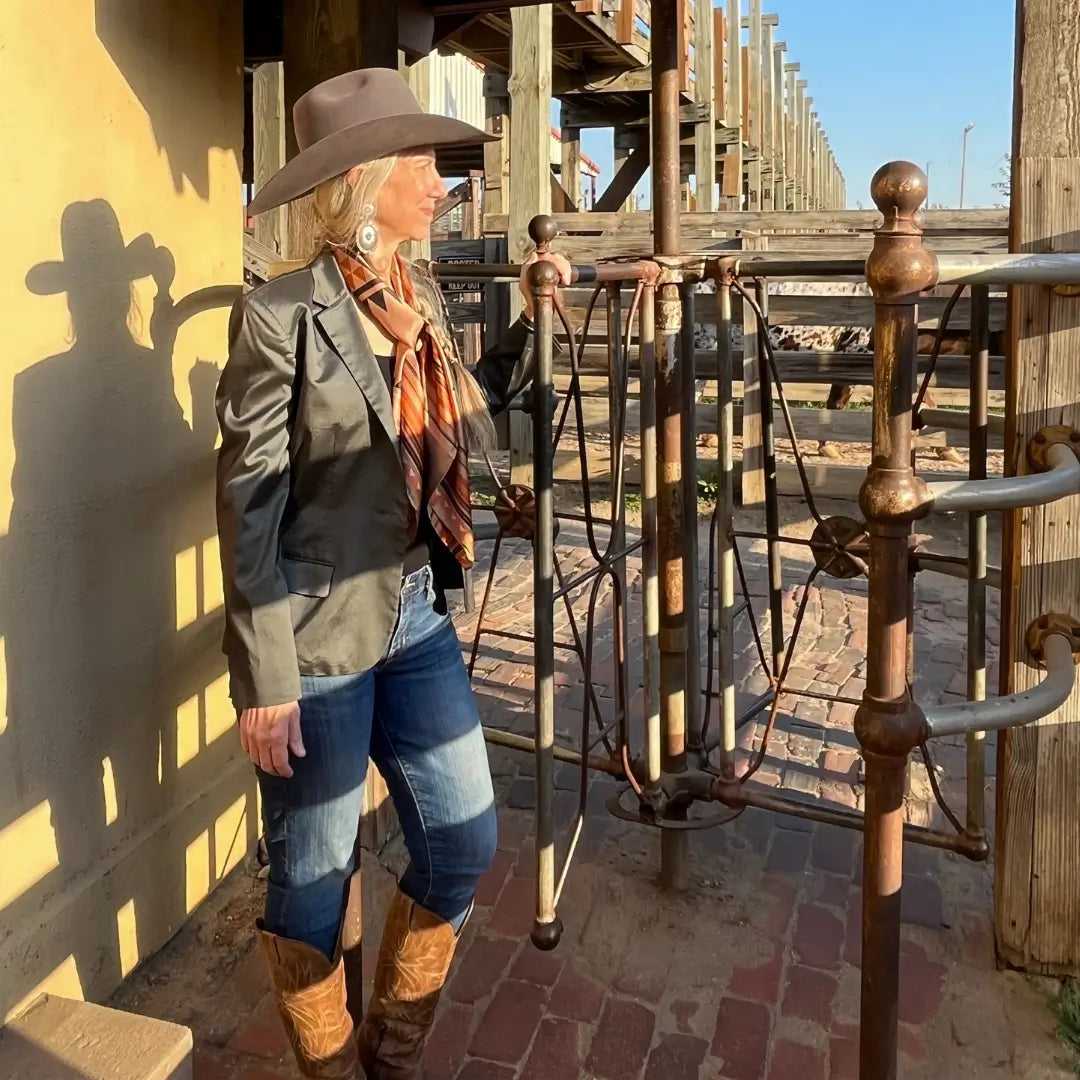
(368, 236)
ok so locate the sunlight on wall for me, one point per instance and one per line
(230, 837)
(27, 852)
(220, 714)
(3, 688)
(108, 786)
(197, 870)
(213, 589)
(187, 731)
(63, 981)
(127, 938)
(187, 592)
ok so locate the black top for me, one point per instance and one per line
(418, 553)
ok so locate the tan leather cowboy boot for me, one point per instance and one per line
(311, 995)
(414, 959)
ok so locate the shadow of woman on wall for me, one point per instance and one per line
(110, 483)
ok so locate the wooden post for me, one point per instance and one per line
(321, 40)
(419, 76)
(733, 163)
(1037, 861)
(497, 201)
(768, 109)
(803, 143)
(268, 109)
(530, 171)
(791, 166)
(623, 150)
(779, 129)
(754, 107)
(705, 94)
(570, 169)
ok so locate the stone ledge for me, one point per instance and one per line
(60, 1039)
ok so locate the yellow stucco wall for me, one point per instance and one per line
(123, 797)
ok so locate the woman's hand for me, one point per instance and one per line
(269, 733)
(560, 262)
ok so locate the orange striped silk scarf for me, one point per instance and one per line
(430, 430)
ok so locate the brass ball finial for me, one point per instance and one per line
(898, 189)
(543, 274)
(542, 230)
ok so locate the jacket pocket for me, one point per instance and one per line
(305, 577)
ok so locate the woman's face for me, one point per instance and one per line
(406, 203)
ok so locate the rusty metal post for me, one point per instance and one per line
(977, 548)
(889, 725)
(547, 928)
(650, 590)
(670, 493)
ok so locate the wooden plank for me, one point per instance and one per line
(936, 223)
(1037, 864)
(530, 171)
(719, 61)
(753, 450)
(705, 94)
(268, 116)
(625, 180)
(497, 157)
(768, 127)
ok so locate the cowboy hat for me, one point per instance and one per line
(352, 118)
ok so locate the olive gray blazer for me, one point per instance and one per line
(311, 503)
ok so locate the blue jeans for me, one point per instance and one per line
(414, 714)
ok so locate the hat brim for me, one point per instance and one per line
(356, 145)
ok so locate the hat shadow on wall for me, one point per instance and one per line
(183, 61)
(103, 647)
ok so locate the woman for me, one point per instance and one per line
(343, 510)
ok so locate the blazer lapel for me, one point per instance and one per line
(338, 318)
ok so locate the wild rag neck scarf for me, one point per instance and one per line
(426, 414)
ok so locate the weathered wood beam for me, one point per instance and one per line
(1037, 855)
(268, 114)
(705, 94)
(625, 180)
(733, 164)
(570, 176)
(571, 83)
(530, 170)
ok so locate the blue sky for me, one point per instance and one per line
(900, 81)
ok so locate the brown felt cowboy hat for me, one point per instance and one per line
(353, 118)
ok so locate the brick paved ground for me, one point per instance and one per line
(751, 974)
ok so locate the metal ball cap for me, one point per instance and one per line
(898, 188)
(542, 229)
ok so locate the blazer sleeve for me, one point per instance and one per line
(253, 403)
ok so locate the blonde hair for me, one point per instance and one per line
(340, 215)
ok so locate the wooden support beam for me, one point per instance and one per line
(779, 201)
(802, 144)
(530, 170)
(571, 164)
(705, 94)
(754, 107)
(622, 184)
(268, 113)
(322, 40)
(768, 113)
(733, 164)
(719, 62)
(791, 164)
(1037, 855)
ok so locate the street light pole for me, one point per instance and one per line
(963, 163)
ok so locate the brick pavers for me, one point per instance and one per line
(752, 973)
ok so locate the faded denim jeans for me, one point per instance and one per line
(415, 716)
